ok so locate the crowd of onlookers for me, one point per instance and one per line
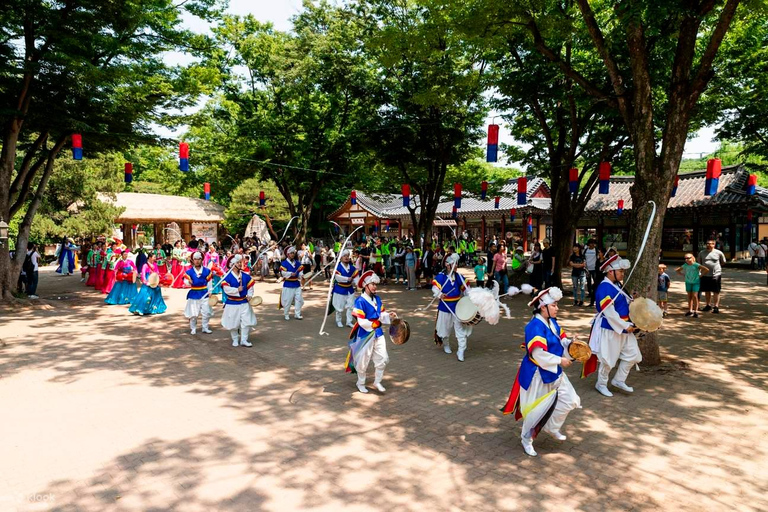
(400, 260)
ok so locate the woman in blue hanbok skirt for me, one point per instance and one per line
(149, 300)
(124, 290)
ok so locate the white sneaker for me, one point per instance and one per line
(556, 434)
(528, 446)
(299, 317)
(622, 386)
(460, 355)
(34, 297)
(235, 343)
(378, 386)
(82, 280)
(351, 326)
(362, 388)
(603, 391)
(447, 348)
(246, 343)
(339, 325)
(193, 332)
(207, 330)
(287, 317)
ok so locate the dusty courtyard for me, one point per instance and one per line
(102, 410)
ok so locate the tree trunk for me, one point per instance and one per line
(562, 230)
(7, 161)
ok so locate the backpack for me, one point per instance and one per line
(28, 266)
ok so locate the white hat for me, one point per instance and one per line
(367, 278)
(345, 252)
(615, 262)
(452, 259)
(196, 255)
(290, 250)
(237, 258)
(546, 297)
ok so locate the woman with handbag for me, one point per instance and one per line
(500, 260)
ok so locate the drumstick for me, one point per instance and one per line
(427, 306)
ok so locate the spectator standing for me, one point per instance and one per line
(548, 263)
(489, 259)
(500, 268)
(712, 259)
(30, 268)
(427, 263)
(762, 252)
(535, 266)
(410, 267)
(693, 272)
(663, 288)
(591, 266)
(577, 264)
(753, 249)
(480, 272)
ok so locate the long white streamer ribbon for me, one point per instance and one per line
(330, 286)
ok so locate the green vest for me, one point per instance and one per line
(336, 247)
(385, 248)
(311, 248)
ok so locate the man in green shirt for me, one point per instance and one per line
(385, 255)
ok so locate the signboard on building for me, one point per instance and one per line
(204, 231)
(357, 222)
(443, 222)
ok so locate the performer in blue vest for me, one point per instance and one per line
(367, 336)
(344, 289)
(612, 337)
(238, 315)
(449, 285)
(542, 394)
(198, 278)
(292, 272)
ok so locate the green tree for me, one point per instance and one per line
(87, 67)
(430, 105)
(295, 116)
(71, 207)
(658, 59)
(559, 125)
(737, 102)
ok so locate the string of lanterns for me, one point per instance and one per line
(712, 181)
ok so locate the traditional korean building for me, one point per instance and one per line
(479, 218)
(691, 217)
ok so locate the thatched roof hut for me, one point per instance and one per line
(194, 216)
(152, 208)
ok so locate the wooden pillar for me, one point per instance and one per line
(525, 233)
(695, 238)
(186, 231)
(159, 233)
(599, 233)
(732, 237)
(128, 236)
(503, 228)
(482, 234)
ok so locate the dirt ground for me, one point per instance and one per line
(102, 410)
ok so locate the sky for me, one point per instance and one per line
(279, 13)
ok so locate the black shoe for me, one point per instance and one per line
(707, 308)
(695, 315)
(690, 313)
(591, 305)
(581, 303)
(716, 309)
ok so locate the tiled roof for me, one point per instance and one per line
(391, 205)
(690, 192)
